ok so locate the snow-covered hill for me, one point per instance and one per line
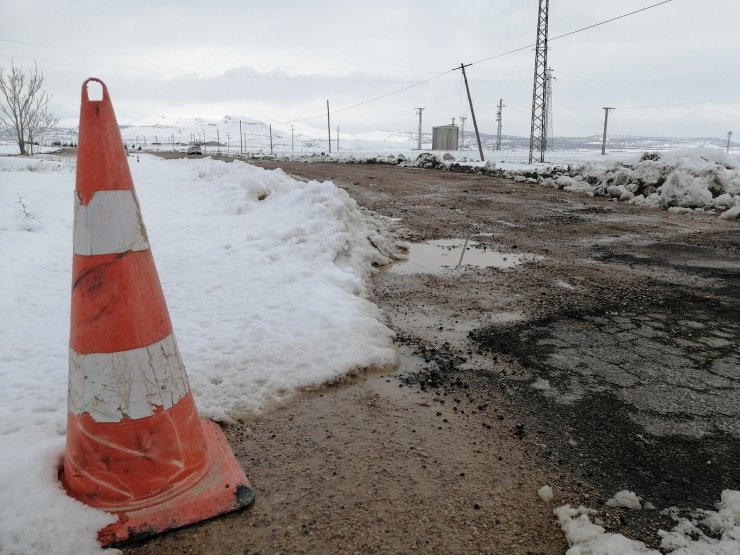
(241, 133)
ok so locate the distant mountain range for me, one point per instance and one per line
(614, 142)
(255, 136)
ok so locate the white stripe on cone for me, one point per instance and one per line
(127, 384)
(110, 223)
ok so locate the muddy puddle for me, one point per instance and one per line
(437, 257)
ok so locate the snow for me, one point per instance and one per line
(626, 499)
(687, 537)
(265, 280)
(680, 181)
(545, 493)
(587, 538)
(8, 147)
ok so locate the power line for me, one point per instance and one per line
(498, 56)
(610, 20)
(375, 99)
(550, 39)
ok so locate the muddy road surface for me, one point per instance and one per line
(584, 343)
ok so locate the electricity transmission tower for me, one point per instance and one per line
(419, 111)
(538, 136)
(549, 132)
(499, 119)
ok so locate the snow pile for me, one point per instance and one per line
(706, 533)
(587, 538)
(264, 278)
(678, 181)
(626, 499)
(689, 537)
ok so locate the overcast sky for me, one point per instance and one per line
(673, 70)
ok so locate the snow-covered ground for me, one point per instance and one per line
(701, 533)
(264, 278)
(9, 148)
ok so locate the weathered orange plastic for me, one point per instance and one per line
(159, 472)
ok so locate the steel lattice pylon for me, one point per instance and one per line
(499, 120)
(538, 135)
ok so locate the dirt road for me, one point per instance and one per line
(600, 355)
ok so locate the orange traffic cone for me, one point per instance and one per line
(135, 444)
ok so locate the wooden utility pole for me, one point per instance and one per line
(328, 124)
(472, 112)
(606, 120)
(271, 140)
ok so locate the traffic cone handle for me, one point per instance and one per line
(85, 96)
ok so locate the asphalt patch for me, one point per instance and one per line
(643, 400)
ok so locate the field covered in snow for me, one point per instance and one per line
(265, 281)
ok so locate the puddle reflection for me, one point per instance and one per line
(436, 257)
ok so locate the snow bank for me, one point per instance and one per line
(264, 278)
(705, 533)
(679, 181)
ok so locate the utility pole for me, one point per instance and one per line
(218, 142)
(606, 120)
(270, 139)
(472, 112)
(499, 119)
(419, 111)
(292, 142)
(729, 138)
(462, 132)
(337, 138)
(328, 124)
(537, 136)
(241, 141)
